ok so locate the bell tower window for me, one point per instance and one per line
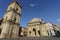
(14, 19)
(16, 9)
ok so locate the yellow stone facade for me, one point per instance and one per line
(36, 27)
(22, 31)
(10, 25)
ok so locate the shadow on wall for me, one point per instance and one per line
(57, 33)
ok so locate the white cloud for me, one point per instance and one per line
(32, 5)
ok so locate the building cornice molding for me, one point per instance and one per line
(13, 11)
(11, 22)
(17, 3)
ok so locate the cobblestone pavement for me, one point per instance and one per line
(32, 38)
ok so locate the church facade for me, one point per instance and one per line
(10, 25)
(36, 27)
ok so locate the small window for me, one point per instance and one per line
(34, 29)
(14, 19)
(39, 33)
(48, 33)
(16, 9)
(29, 32)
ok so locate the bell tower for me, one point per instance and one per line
(11, 20)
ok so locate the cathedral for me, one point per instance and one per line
(10, 25)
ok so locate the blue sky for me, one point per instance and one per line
(48, 10)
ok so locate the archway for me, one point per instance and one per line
(34, 30)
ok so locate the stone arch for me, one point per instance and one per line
(34, 30)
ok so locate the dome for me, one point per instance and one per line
(36, 20)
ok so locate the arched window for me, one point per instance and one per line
(34, 30)
(39, 33)
(16, 9)
(29, 32)
(14, 19)
(58, 33)
(48, 33)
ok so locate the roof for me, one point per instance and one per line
(16, 2)
(36, 20)
(57, 27)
